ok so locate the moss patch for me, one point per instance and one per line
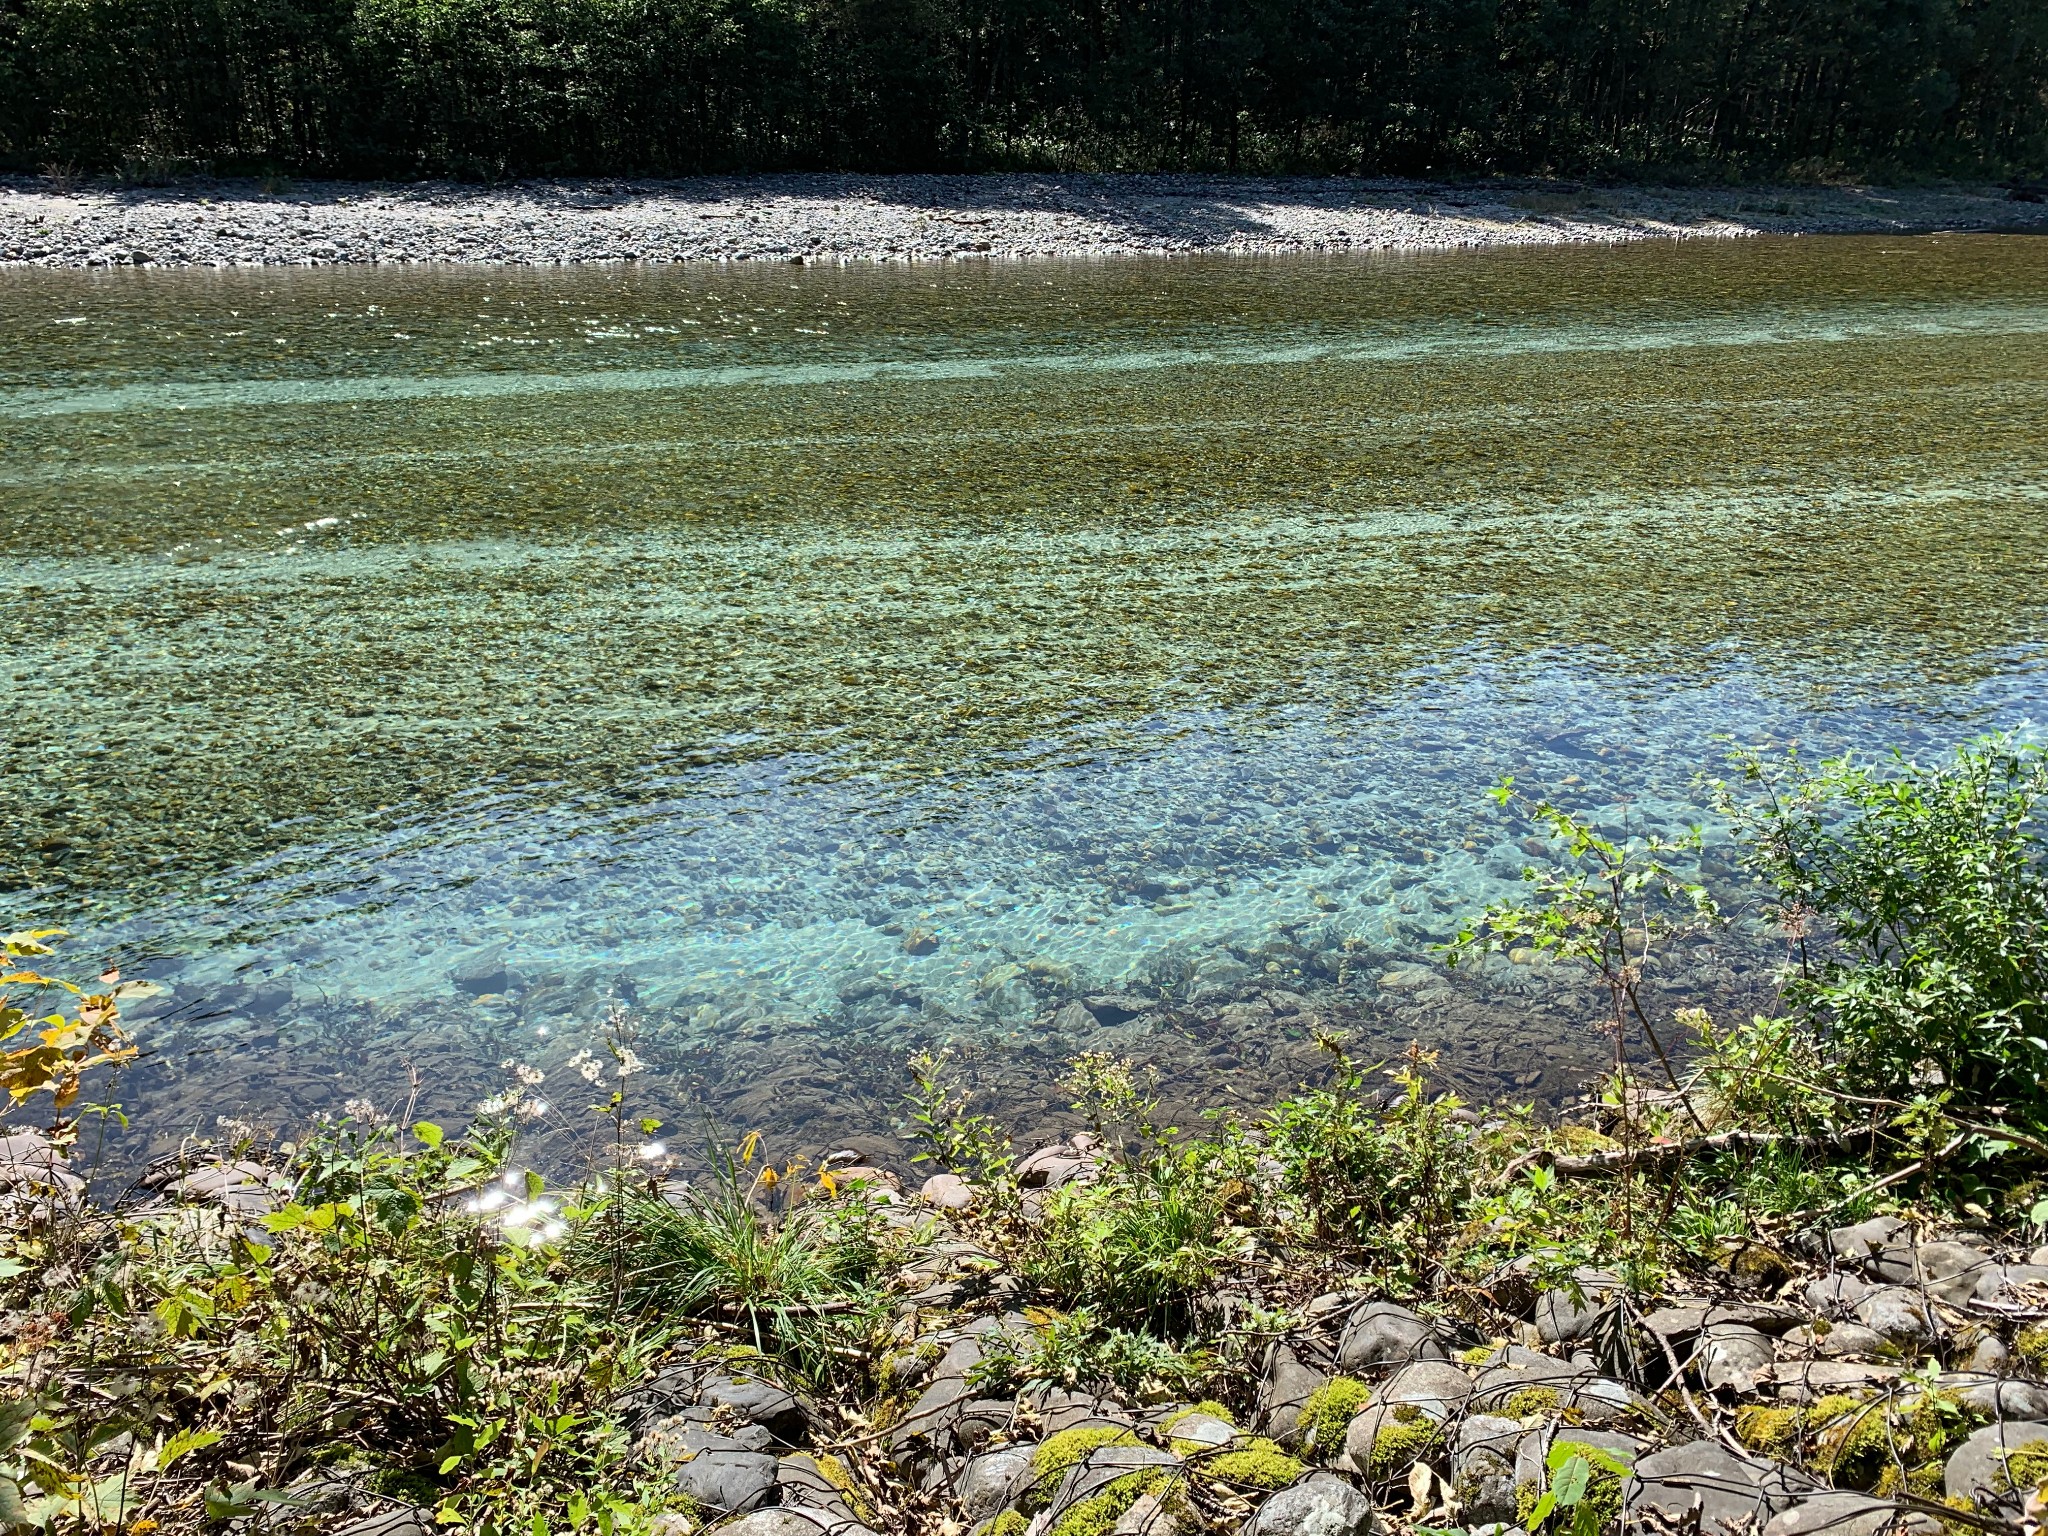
(1011, 1522)
(835, 1472)
(2026, 1467)
(1099, 1513)
(1262, 1464)
(1853, 1450)
(1534, 1403)
(2031, 1345)
(1774, 1431)
(1329, 1412)
(1400, 1445)
(1070, 1447)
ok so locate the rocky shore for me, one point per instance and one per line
(1860, 1379)
(839, 218)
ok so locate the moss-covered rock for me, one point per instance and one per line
(1011, 1522)
(1262, 1464)
(836, 1473)
(1070, 1447)
(1329, 1412)
(1400, 1444)
(2026, 1467)
(2031, 1345)
(1098, 1514)
(1853, 1449)
(1772, 1431)
(1534, 1403)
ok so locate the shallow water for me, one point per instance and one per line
(820, 661)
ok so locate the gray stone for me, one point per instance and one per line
(1362, 1434)
(1865, 1239)
(1995, 1397)
(1685, 1322)
(1437, 1387)
(779, 1411)
(1902, 1316)
(1202, 1429)
(1384, 1334)
(1729, 1492)
(1842, 1341)
(1101, 1468)
(941, 1403)
(406, 1521)
(1561, 1320)
(1976, 1468)
(1516, 1370)
(993, 1481)
(1285, 1390)
(947, 1191)
(1849, 1514)
(1804, 1381)
(1946, 1271)
(1988, 1354)
(1836, 1295)
(1483, 1466)
(727, 1482)
(1149, 1515)
(2010, 1284)
(798, 1480)
(1318, 1505)
(1731, 1356)
(793, 1520)
(480, 971)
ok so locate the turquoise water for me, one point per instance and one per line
(820, 662)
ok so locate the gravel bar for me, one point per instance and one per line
(835, 218)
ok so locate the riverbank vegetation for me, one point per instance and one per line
(489, 88)
(389, 1316)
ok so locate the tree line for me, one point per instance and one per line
(487, 88)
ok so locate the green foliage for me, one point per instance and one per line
(1070, 1350)
(1605, 910)
(1583, 1492)
(972, 1145)
(1392, 1182)
(372, 1322)
(741, 1245)
(505, 87)
(1918, 897)
(1137, 1245)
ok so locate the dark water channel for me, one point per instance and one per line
(409, 667)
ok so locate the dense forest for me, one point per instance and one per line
(484, 88)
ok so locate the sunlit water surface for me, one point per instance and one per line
(818, 662)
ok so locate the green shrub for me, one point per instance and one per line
(1932, 884)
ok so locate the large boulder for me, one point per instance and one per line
(1319, 1505)
(1437, 1387)
(722, 1475)
(1284, 1391)
(1483, 1466)
(1733, 1496)
(1385, 1334)
(1976, 1469)
(993, 1481)
(1850, 1514)
(1733, 1355)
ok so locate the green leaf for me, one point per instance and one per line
(428, 1134)
(183, 1444)
(1572, 1480)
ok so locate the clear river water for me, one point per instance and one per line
(411, 667)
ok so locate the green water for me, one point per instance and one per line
(699, 633)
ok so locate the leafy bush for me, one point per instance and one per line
(1916, 901)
